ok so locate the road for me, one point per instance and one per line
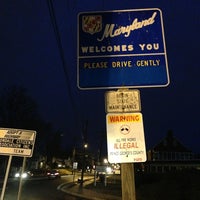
(38, 189)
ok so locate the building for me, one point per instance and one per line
(171, 155)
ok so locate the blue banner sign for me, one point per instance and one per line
(122, 48)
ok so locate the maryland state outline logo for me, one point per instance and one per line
(92, 24)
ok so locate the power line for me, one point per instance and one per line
(61, 51)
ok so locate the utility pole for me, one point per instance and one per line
(83, 162)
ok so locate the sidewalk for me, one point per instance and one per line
(75, 189)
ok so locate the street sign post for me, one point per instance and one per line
(126, 145)
(17, 142)
(121, 48)
(122, 101)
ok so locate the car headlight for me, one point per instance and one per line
(24, 175)
(17, 175)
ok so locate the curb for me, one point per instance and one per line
(81, 192)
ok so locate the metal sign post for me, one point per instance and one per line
(20, 182)
(6, 177)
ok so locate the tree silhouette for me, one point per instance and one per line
(19, 111)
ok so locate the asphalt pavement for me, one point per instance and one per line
(85, 192)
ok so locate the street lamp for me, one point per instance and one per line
(83, 162)
(85, 146)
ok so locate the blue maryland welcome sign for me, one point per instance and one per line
(122, 48)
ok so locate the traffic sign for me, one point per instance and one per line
(75, 165)
(121, 48)
(17, 142)
(125, 138)
(122, 101)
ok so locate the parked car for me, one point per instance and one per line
(52, 174)
(39, 172)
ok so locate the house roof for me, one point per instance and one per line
(170, 144)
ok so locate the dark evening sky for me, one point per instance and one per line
(33, 56)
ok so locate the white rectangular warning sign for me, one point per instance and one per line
(17, 142)
(125, 138)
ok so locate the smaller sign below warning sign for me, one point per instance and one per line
(125, 138)
(122, 101)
